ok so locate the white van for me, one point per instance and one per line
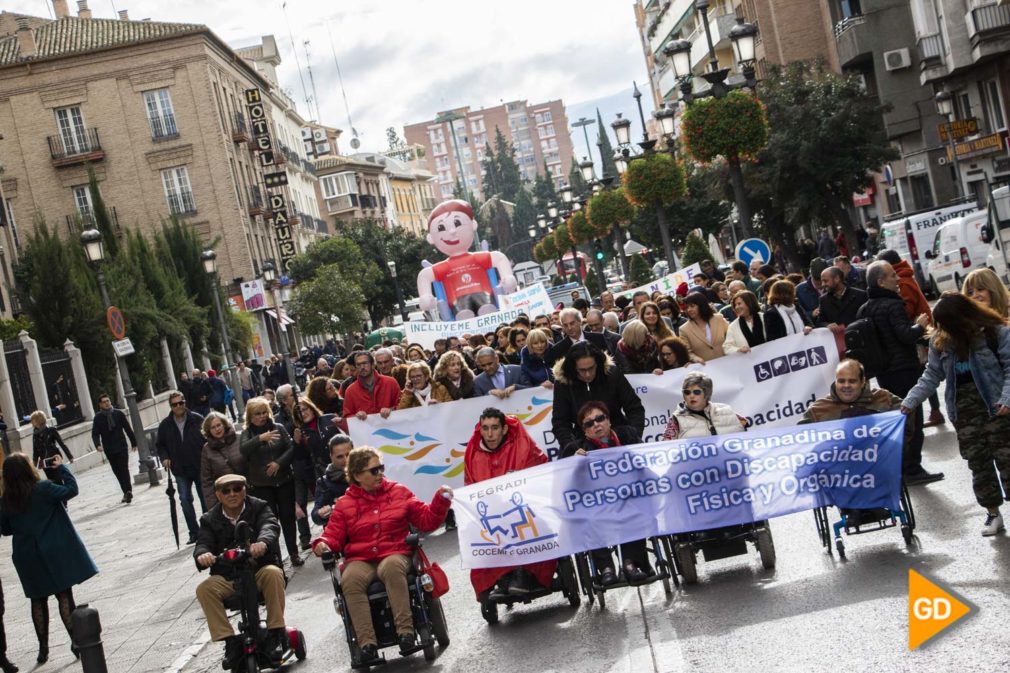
(996, 259)
(919, 232)
(958, 249)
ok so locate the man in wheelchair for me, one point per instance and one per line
(217, 534)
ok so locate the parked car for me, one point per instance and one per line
(958, 248)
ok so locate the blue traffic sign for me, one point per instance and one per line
(750, 249)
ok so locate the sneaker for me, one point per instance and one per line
(920, 477)
(232, 652)
(406, 642)
(935, 418)
(608, 577)
(634, 574)
(498, 593)
(993, 524)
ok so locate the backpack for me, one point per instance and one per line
(229, 395)
(862, 343)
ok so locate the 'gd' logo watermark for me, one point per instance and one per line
(932, 609)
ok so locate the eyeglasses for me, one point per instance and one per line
(669, 354)
(179, 404)
(229, 490)
(586, 370)
(375, 471)
(590, 422)
(694, 391)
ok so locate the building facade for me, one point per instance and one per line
(353, 187)
(454, 143)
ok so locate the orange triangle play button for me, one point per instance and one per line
(931, 609)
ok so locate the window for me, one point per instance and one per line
(13, 224)
(477, 125)
(82, 201)
(73, 135)
(339, 185)
(924, 18)
(962, 105)
(177, 190)
(991, 107)
(160, 114)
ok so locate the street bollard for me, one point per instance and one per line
(87, 630)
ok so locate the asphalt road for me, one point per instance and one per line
(812, 613)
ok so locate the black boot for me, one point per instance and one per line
(6, 666)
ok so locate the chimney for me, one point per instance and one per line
(26, 38)
(82, 9)
(124, 15)
(60, 9)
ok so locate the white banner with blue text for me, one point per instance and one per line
(629, 493)
(772, 386)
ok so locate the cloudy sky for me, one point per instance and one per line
(405, 60)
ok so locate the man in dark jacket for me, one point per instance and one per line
(200, 393)
(179, 444)
(333, 483)
(218, 534)
(808, 293)
(839, 303)
(109, 433)
(587, 374)
(897, 336)
(571, 327)
(217, 391)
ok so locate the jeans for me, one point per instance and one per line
(186, 486)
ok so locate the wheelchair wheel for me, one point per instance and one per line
(840, 546)
(251, 665)
(906, 533)
(427, 642)
(569, 581)
(687, 562)
(489, 611)
(300, 651)
(662, 562)
(601, 596)
(766, 547)
(585, 577)
(438, 626)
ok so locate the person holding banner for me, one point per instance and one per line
(639, 349)
(705, 330)
(371, 392)
(533, 370)
(499, 445)
(698, 416)
(587, 374)
(594, 420)
(420, 390)
(497, 380)
(452, 372)
(748, 330)
(970, 350)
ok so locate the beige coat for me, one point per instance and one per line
(705, 348)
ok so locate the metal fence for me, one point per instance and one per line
(21, 382)
(61, 390)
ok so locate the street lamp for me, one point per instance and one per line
(399, 291)
(945, 108)
(552, 210)
(209, 259)
(269, 272)
(620, 162)
(532, 231)
(94, 250)
(541, 220)
(566, 195)
(586, 166)
(679, 54)
(667, 118)
(944, 103)
(622, 130)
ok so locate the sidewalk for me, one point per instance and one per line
(144, 591)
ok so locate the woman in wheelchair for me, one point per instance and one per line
(594, 419)
(369, 525)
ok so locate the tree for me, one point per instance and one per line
(696, 250)
(606, 149)
(580, 188)
(656, 181)
(510, 181)
(640, 272)
(826, 137)
(524, 215)
(329, 303)
(593, 283)
(543, 190)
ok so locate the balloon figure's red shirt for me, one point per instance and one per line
(465, 279)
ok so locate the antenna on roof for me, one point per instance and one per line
(355, 143)
(312, 81)
(305, 93)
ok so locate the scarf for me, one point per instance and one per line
(791, 318)
(610, 441)
(218, 444)
(110, 418)
(755, 337)
(423, 394)
(641, 360)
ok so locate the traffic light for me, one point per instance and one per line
(598, 250)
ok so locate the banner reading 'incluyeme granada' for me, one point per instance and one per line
(628, 493)
(772, 386)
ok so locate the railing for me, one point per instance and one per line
(255, 200)
(181, 203)
(163, 127)
(82, 145)
(848, 22)
(239, 129)
(78, 222)
(989, 19)
(930, 48)
(321, 225)
(60, 387)
(20, 380)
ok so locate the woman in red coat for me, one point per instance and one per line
(369, 525)
(499, 445)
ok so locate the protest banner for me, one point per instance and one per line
(530, 301)
(667, 284)
(587, 502)
(772, 386)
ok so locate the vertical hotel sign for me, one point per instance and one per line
(277, 216)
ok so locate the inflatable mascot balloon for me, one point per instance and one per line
(466, 284)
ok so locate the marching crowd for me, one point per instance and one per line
(291, 463)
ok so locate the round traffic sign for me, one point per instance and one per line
(117, 324)
(750, 249)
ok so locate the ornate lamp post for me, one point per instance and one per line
(945, 108)
(399, 291)
(209, 259)
(94, 250)
(269, 276)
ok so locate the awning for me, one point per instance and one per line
(273, 314)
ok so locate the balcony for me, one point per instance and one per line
(78, 222)
(855, 40)
(181, 203)
(321, 226)
(665, 23)
(163, 128)
(988, 30)
(239, 129)
(342, 203)
(255, 201)
(76, 148)
(930, 49)
(719, 26)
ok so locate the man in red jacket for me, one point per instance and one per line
(499, 445)
(371, 392)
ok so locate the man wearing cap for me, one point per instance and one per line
(217, 534)
(464, 276)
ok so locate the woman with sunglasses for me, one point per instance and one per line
(594, 419)
(369, 526)
(269, 451)
(220, 455)
(698, 415)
